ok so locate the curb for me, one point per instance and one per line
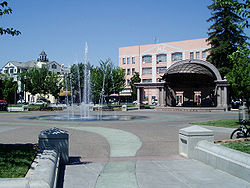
(228, 160)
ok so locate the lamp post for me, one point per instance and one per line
(243, 113)
(24, 89)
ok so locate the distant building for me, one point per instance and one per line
(151, 61)
(14, 69)
(175, 74)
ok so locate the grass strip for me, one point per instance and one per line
(228, 123)
(240, 146)
(15, 159)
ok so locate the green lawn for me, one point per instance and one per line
(228, 123)
(240, 146)
(15, 160)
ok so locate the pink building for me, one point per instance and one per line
(152, 61)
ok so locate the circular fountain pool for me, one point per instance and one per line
(90, 118)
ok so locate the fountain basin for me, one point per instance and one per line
(90, 118)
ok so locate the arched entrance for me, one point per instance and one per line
(193, 83)
(190, 83)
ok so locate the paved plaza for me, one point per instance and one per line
(138, 153)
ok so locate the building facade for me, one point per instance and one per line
(152, 61)
(14, 69)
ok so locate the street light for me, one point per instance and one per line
(24, 89)
(243, 113)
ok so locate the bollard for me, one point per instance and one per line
(124, 107)
(190, 136)
(57, 139)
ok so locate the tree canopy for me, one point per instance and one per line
(239, 77)
(4, 10)
(135, 79)
(106, 79)
(41, 81)
(225, 34)
(8, 88)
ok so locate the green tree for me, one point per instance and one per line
(240, 8)
(41, 81)
(4, 9)
(54, 84)
(96, 83)
(118, 79)
(135, 79)
(225, 34)
(106, 79)
(239, 77)
(8, 89)
(75, 77)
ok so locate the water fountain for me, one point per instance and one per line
(83, 112)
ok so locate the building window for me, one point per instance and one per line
(5, 71)
(161, 58)
(128, 60)
(11, 70)
(128, 71)
(147, 59)
(191, 55)
(197, 55)
(161, 70)
(123, 61)
(133, 60)
(146, 80)
(203, 54)
(18, 70)
(128, 81)
(146, 71)
(53, 66)
(133, 71)
(177, 56)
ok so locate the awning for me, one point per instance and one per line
(63, 93)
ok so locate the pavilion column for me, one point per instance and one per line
(219, 96)
(164, 96)
(222, 94)
(159, 96)
(138, 96)
(225, 105)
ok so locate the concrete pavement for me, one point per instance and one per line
(136, 153)
(149, 174)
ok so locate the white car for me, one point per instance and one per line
(40, 102)
(134, 102)
(21, 101)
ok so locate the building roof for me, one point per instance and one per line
(43, 53)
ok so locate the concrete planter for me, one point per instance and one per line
(44, 174)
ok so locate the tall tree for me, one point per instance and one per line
(9, 88)
(239, 77)
(41, 81)
(4, 9)
(118, 79)
(135, 79)
(225, 34)
(106, 79)
(54, 84)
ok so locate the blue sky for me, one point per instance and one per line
(61, 27)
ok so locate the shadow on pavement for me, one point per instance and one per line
(62, 167)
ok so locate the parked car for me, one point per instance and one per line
(154, 101)
(21, 101)
(40, 102)
(135, 102)
(3, 105)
